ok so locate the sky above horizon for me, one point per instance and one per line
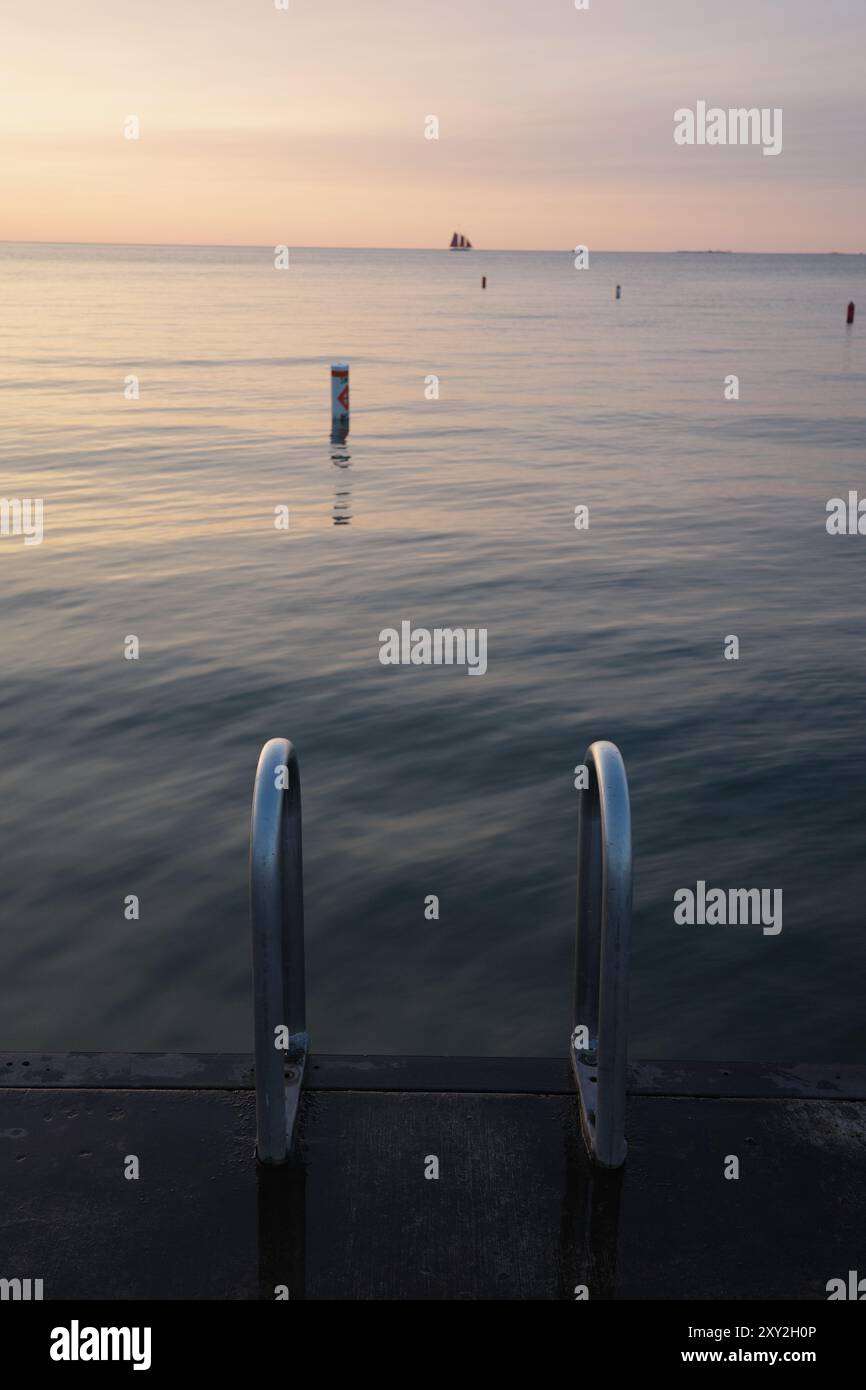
(261, 126)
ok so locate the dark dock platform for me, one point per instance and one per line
(518, 1210)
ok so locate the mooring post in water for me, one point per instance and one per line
(619, 291)
(339, 402)
(604, 892)
(484, 282)
(850, 318)
(277, 915)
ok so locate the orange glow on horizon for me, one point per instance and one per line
(307, 126)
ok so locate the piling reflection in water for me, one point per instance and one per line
(343, 488)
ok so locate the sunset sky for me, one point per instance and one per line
(260, 126)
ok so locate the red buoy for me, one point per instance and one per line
(851, 312)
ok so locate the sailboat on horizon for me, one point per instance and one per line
(459, 242)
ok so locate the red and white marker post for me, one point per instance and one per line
(340, 397)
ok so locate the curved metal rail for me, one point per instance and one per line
(604, 893)
(277, 915)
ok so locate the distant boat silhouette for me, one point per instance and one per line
(460, 243)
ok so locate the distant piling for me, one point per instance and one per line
(484, 282)
(850, 318)
(619, 291)
(339, 402)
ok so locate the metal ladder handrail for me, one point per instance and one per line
(277, 916)
(604, 897)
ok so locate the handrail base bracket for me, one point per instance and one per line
(584, 1067)
(295, 1076)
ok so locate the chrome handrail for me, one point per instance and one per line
(604, 896)
(277, 916)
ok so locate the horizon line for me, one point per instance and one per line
(504, 250)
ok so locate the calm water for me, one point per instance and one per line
(707, 518)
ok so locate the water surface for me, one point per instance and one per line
(706, 519)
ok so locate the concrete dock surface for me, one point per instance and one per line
(517, 1210)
